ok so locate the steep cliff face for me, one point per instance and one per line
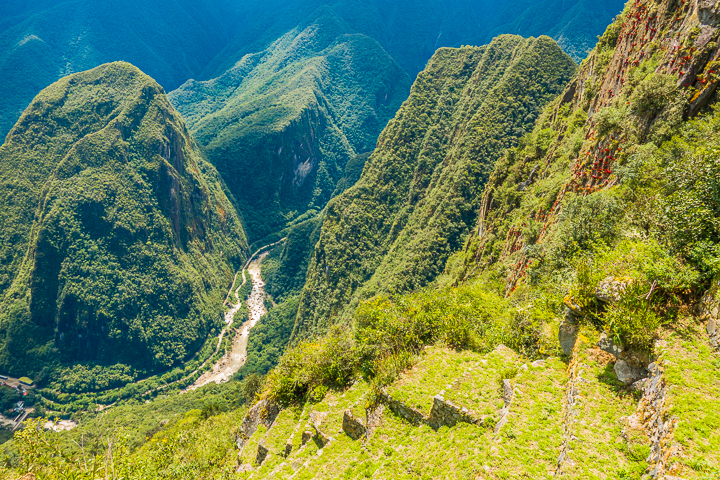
(118, 238)
(420, 190)
(655, 67)
(282, 124)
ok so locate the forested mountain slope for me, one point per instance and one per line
(118, 240)
(575, 25)
(595, 256)
(40, 42)
(603, 171)
(411, 31)
(281, 125)
(175, 40)
(575, 335)
(420, 191)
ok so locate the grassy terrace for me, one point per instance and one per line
(527, 446)
(335, 404)
(692, 372)
(439, 368)
(281, 431)
(598, 449)
(481, 389)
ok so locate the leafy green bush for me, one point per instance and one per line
(330, 361)
(632, 319)
(587, 220)
(469, 316)
(656, 283)
(609, 119)
(653, 94)
(386, 336)
(690, 206)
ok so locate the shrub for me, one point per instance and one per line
(386, 336)
(330, 361)
(653, 94)
(585, 221)
(689, 208)
(609, 119)
(387, 367)
(250, 387)
(632, 319)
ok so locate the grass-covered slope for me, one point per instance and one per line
(281, 125)
(118, 238)
(420, 190)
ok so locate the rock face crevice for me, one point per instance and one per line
(659, 425)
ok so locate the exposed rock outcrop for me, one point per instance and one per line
(631, 365)
(353, 426)
(568, 333)
(262, 413)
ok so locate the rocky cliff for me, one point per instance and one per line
(655, 67)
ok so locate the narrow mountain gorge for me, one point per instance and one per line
(519, 279)
(294, 115)
(420, 191)
(112, 222)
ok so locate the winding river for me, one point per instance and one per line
(231, 362)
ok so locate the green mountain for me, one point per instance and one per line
(119, 240)
(411, 30)
(420, 191)
(282, 124)
(175, 40)
(573, 334)
(574, 25)
(40, 42)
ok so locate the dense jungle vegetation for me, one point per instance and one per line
(281, 125)
(420, 190)
(175, 40)
(119, 240)
(510, 194)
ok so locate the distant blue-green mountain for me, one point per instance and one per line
(175, 40)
